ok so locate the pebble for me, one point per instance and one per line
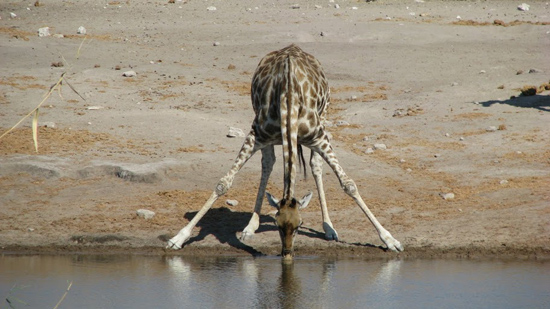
(295, 6)
(235, 132)
(523, 7)
(447, 196)
(30, 229)
(49, 124)
(454, 84)
(216, 44)
(13, 15)
(532, 71)
(491, 129)
(380, 147)
(211, 8)
(81, 30)
(409, 170)
(503, 181)
(44, 31)
(129, 74)
(232, 202)
(58, 36)
(437, 155)
(145, 213)
(369, 150)
(93, 108)
(336, 6)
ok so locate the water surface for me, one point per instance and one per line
(243, 282)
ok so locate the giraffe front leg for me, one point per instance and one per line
(268, 160)
(348, 185)
(223, 185)
(316, 163)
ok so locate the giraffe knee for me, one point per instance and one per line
(222, 187)
(349, 187)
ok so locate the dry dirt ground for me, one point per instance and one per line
(407, 74)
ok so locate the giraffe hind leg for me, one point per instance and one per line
(324, 149)
(268, 160)
(247, 150)
(316, 163)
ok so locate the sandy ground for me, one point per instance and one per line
(406, 74)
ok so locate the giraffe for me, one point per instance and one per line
(290, 96)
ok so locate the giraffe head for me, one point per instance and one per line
(288, 220)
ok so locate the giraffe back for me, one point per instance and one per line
(290, 95)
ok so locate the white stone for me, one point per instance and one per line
(216, 43)
(380, 147)
(44, 31)
(295, 6)
(235, 132)
(232, 202)
(13, 15)
(145, 213)
(447, 196)
(211, 8)
(491, 129)
(49, 124)
(58, 36)
(129, 74)
(81, 30)
(523, 7)
(503, 182)
(369, 150)
(336, 6)
(93, 108)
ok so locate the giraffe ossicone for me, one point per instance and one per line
(290, 96)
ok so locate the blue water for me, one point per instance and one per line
(244, 282)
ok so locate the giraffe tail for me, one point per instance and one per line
(289, 105)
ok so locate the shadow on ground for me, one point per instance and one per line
(225, 225)
(540, 102)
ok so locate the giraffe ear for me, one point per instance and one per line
(305, 200)
(272, 200)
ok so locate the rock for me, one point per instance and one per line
(44, 31)
(235, 132)
(216, 44)
(532, 71)
(437, 155)
(503, 182)
(369, 150)
(129, 73)
(232, 202)
(30, 229)
(12, 15)
(211, 8)
(49, 124)
(93, 108)
(81, 30)
(447, 196)
(380, 147)
(295, 6)
(58, 36)
(523, 7)
(491, 129)
(519, 72)
(146, 214)
(336, 6)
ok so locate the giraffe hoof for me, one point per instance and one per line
(330, 232)
(246, 236)
(394, 245)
